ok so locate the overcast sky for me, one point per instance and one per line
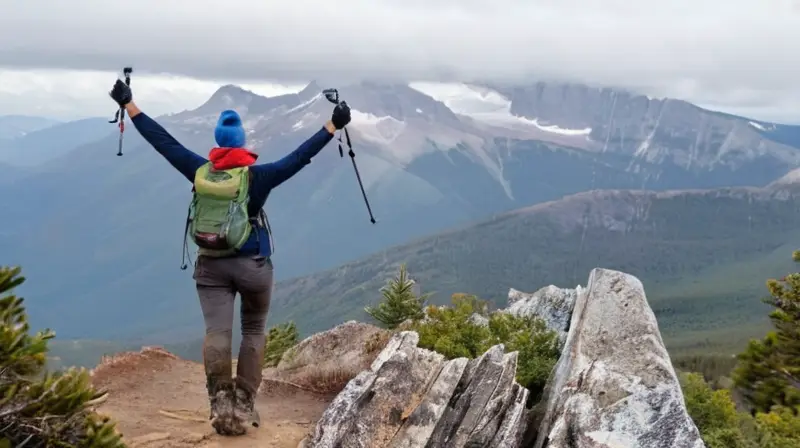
(734, 55)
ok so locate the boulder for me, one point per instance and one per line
(614, 385)
(552, 304)
(412, 397)
(329, 359)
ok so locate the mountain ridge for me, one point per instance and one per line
(433, 164)
(556, 239)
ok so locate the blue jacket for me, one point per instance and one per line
(265, 176)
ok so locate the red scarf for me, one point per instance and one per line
(227, 158)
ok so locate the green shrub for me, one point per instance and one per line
(768, 374)
(536, 344)
(769, 370)
(278, 340)
(779, 428)
(400, 303)
(454, 332)
(40, 408)
(713, 412)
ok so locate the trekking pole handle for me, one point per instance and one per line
(126, 72)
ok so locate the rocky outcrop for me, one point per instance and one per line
(552, 304)
(326, 361)
(412, 397)
(614, 385)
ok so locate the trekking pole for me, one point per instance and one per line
(120, 115)
(332, 95)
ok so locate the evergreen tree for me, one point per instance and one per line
(39, 408)
(279, 338)
(769, 370)
(400, 302)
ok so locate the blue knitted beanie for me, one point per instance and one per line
(229, 132)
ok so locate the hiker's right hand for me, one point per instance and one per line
(341, 115)
(121, 93)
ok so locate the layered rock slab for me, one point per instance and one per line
(614, 385)
(412, 397)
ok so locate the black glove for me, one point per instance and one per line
(121, 93)
(341, 115)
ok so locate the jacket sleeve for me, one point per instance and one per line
(275, 173)
(182, 159)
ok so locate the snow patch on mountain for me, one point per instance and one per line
(304, 104)
(486, 105)
(762, 127)
(791, 178)
(381, 130)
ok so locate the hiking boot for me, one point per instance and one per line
(223, 418)
(244, 408)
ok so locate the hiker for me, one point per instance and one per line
(228, 223)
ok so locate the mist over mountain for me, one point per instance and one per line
(104, 236)
(14, 126)
(37, 146)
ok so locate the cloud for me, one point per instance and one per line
(71, 94)
(728, 53)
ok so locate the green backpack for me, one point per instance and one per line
(218, 221)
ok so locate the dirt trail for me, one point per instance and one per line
(159, 401)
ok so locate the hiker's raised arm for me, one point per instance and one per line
(181, 158)
(176, 154)
(281, 170)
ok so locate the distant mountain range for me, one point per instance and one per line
(99, 236)
(40, 145)
(703, 255)
(14, 126)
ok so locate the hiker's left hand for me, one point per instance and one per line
(121, 93)
(341, 115)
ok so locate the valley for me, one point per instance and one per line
(508, 188)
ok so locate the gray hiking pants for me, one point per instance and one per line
(218, 280)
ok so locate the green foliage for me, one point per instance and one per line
(713, 412)
(780, 428)
(452, 331)
(467, 329)
(40, 408)
(769, 370)
(767, 374)
(400, 302)
(722, 426)
(279, 338)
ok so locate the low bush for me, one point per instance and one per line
(278, 340)
(40, 408)
(467, 329)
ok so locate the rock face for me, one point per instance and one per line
(614, 385)
(651, 129)
(342, 351)
(552, 304)
(412, 397)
